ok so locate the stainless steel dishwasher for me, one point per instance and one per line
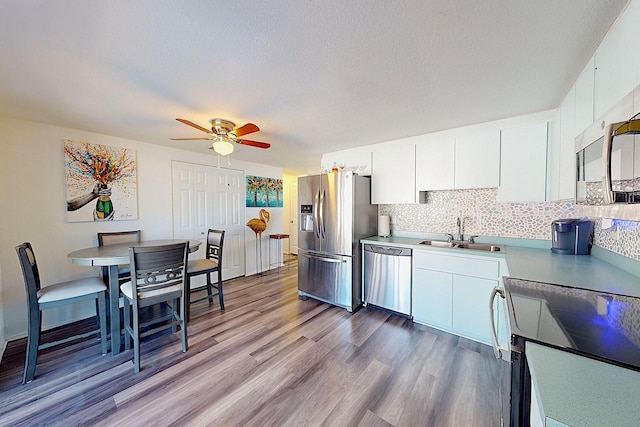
(387, 278)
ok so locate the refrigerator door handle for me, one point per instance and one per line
(321, 227)
(316, 207)
(308, 255)
(494, 336)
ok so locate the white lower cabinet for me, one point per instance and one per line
(451, 292)
(470, 306)
(432, 296)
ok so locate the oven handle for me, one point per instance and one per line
(494, 336)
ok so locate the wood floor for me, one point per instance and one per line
(270, 359)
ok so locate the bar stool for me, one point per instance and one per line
(278, 238)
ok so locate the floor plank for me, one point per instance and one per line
(270, 359)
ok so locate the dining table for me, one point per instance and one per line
(112, 256)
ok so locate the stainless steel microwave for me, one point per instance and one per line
(608, 157)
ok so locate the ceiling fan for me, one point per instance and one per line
(224, 134)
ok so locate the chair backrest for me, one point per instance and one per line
(215, 239)
(29, 272)
(154, 268)
(116, 237)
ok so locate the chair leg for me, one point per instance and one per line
(127, 324)
(33, 342)
(209, 290)
(136, 341)
(101, 315)
(220, 296)
(174, 315)
(183, 325)
(187, 298)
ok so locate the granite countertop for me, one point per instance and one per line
(577, 391)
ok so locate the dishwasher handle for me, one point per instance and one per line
(387, 250)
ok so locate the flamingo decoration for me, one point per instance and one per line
(258, 225)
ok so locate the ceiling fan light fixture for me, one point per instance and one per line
(222, 146)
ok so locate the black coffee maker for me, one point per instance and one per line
(571, 236)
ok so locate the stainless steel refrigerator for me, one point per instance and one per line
(335, 212)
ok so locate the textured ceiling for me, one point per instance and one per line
(315, 76)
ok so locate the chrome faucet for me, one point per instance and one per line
(459, 223)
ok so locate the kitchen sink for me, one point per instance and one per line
(479, 247)
(487, 247)
(439, 243)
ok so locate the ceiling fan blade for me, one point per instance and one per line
(253, 143)
(191, 139)
(246, 129)
(193, 125)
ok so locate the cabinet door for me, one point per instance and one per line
(432, 298)
(477, 158)
(564, 174)
(471, 306)
(393, 176)
(584, 115)
(612, 79)
(523, 166)
(435, 162)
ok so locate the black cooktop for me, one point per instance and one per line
(595, 324)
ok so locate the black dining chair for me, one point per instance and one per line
(41, 298)
(212, 263)
(158, 275)
(114, 238)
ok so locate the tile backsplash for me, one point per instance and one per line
(483, 215)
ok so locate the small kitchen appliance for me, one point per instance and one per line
(571, 236)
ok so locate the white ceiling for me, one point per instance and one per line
(315, 76)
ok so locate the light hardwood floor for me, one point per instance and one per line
(269, 359)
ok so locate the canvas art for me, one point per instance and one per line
(264, 192)
(101, 182)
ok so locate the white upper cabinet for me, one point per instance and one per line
(355, 159)
(459, 159)
(477, 157)
(393, 175)
(584, 98)
(562, 163)
(523, 163)
(617, 62)
(435, 155)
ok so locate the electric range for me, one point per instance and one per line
(599, 325)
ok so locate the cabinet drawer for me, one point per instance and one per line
(471, 266)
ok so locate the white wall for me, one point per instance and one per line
(274, 226)
(33, 208)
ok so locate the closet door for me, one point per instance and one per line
(229, 206)
(207, 197)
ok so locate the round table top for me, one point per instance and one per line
(119, 253)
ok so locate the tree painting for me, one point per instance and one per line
(101, 182)
(263, 192)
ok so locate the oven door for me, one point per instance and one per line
(514, 378)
